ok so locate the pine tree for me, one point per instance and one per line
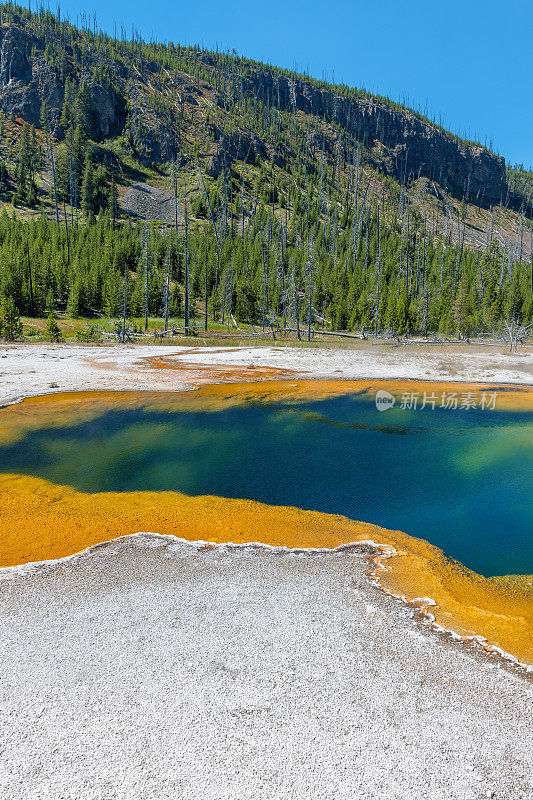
(112, 295)
(49, 303)
(10, 324)
(113, 200)
(176, 303)
(66, 111)
(31, 195)
(76, 298)
(44, 116)
(100, 195)
(23, 166)
(460, 310)
(53, 331)
(424, 310)
(402, 312)
(137, 296)
(83, 111)
(35, 153)
(78, 152)
(62, 164)
(87, 190)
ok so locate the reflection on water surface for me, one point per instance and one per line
(461, 478)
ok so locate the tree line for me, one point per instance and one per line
(350, 269)
(306, 234)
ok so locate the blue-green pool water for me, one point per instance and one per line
(462, 479)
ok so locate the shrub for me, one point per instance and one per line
(53, 331)
(91, 333)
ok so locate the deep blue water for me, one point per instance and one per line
(462, 479)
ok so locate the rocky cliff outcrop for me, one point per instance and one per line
(14, 62)
(413, 146)
(27, 79)
(401, 143)
(238, 145)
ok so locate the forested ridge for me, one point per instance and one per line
(276, 216)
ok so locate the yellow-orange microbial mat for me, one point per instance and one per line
(43, 521)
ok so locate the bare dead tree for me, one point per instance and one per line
(166, 293)
(122, 331)
(517, 332)
(294, 304)
(531, 254)
(205, 278)
(227, 294)
(310, 270)
(213, 221)
(145, 254)
(186, 258)
(265, 264)
(424, 308)
(378, 277)
(52, 164)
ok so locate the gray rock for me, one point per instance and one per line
(415, 146)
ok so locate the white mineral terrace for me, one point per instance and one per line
(146, 670)
(36, 369)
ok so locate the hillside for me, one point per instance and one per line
(277, 199)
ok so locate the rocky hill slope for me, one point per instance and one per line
(38, 59)
(292, 188)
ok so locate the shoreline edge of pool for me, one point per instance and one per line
(467, 606)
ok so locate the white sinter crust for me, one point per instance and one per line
(27, 369)
(146, 670)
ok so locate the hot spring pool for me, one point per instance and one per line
(462, 478)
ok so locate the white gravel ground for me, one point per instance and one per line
(147, 670)
(27, 369)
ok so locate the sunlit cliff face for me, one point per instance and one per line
(42, 520)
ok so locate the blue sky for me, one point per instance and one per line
(469, 62)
